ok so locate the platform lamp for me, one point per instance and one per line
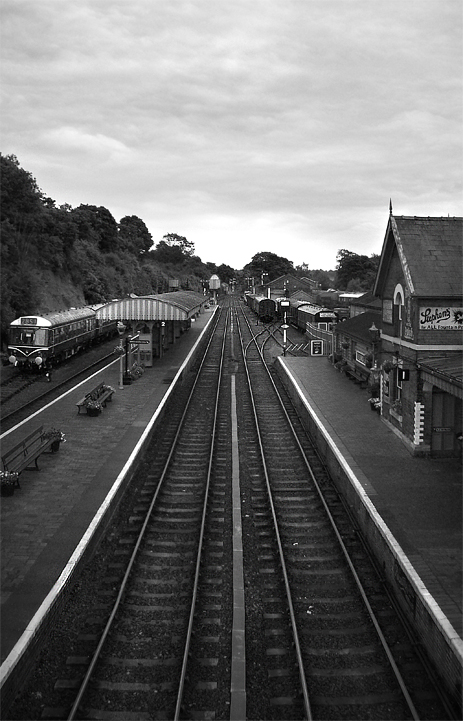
(121, 330)
(374, 334)
(284, 305)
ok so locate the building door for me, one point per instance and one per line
(443, 440)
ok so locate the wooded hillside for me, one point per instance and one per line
(55, 257)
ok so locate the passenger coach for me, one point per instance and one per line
(43, 341)
(315, 317)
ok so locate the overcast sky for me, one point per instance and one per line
(243, 125)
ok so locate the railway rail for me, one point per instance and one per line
(237, 586)
(334, 640)
(21, 393)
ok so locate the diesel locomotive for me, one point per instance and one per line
(40, 342)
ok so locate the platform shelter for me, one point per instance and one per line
(157, 320)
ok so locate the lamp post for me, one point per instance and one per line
(284, 305)
(374, 336)
(121, 331)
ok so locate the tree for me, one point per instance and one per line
(172, 240)
(270, 263)
(165, 253)
(351, 266)
(322, 278)
(97, 224)
(134, 235)
(225, 273)
(20, 196)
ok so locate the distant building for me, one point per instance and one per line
(365, 303)
(287, 285)
(419, 284)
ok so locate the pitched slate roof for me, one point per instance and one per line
(366, 300)
(359, 325)
(430, 250)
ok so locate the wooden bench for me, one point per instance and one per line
(28, 451)
(101, 393)
(354, 375)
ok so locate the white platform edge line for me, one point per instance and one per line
(32, 628)
(428, 599)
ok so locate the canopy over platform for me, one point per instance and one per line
(178, 305)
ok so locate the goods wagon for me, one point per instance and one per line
(265, 308)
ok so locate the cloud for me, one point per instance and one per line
(97, 147)
(248, 122)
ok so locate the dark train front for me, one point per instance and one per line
(40, 342)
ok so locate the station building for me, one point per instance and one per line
(420, 339)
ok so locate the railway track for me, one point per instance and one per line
(159, 641)
(236, 586)
(21, 394)
(316, 615)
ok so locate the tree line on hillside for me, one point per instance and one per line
(107, 259)
(354, 273)
(99, 256)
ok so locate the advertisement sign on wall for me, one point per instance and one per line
(443, 318)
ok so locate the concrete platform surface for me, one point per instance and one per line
(419, 499)
(43, 523)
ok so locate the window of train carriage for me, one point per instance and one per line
(41, 336)
(27, 337)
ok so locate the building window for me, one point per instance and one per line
(360, 357)
(399, 303)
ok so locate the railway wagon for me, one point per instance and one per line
(316, 317)
(265, 308)
(292, 310)
(40, 342)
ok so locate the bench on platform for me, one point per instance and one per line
(101, 394)
(28, 451)
(354, 375)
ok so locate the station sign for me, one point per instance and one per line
(316, 347)
(139, 341)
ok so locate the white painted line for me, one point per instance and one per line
(427, 598)
(238, 663)
(47, 604)
(63, 395)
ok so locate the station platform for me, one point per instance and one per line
(45, 520)
(41, 525)
(418, 498)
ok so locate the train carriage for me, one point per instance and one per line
(105, 328)
(41, 341)
(315, 317)
(265, 308)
